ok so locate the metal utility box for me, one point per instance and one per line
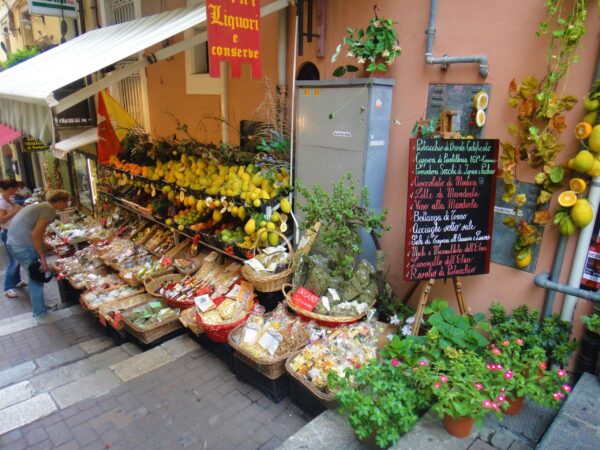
(343, 126)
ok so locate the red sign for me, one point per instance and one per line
(233, 35)
(305, 299)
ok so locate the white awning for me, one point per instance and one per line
(62, 148)
(27, 100)
(27, 89)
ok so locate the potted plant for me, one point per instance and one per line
(590, 345)
(463, 389)
(376, 47)
(379, 400)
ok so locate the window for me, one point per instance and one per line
(85, 175)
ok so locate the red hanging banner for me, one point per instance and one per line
(233, 35)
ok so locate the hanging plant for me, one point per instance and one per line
(540, 121)
(376, 46)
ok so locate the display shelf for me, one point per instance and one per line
(273, 202)
(154, 219)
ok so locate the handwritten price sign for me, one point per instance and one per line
(233, 35)
(305, 299)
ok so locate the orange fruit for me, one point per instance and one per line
(577, 185)
(567, 199)
(582, 130)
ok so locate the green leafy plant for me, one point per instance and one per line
(379, 398)
(19, 56)
(592, 322)
(552, 334)
(541, 120)
(376, 46)
(342, 214)
(460, 383)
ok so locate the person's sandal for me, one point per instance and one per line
(11, 293)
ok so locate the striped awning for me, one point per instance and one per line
(61, 149)
(7, 134)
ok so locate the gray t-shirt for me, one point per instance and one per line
(23, 223)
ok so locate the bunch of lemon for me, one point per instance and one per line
(575, 212)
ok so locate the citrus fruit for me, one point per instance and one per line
(286, 206)
(480, 118)
(591, 105)
(590, 117)
(481, 100)
(273, 239)
(594, 140)
(256, 203)
(169, 222)
(582, 130)
(275, 217)
(582, 213)
(523, 258)
(584, 161)
(567, 199)
(181, 227)
(217, 216)
(577, 185)
(595, 170)
(250, 226)
(270, 226)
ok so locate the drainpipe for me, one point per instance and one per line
(445, 60)
(543, 280)
(583, 241)
(282, 48)
(559, 257)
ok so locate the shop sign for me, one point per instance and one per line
(31, 144)
(60, 8)
(449, 219)
(233, 35)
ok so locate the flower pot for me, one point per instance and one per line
(514, 406)
(460, 427)
(368, 443)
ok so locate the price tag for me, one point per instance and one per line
(204, 303)
(325, 301)
(255, 264)
(305, 299)
(167, 261)
(334, 295)
(250, 335)
(117, 320)
(234, 292)
(269, 343)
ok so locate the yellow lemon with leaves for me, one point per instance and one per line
(523, 258)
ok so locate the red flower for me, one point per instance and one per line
(520, 341)
(506, 343)
(437, 385)
(443, 379)
(423, 363)
(501, 398)
(487, 404)
(543, 366)
(566, 388)
(496, 351)
(358, 366)
(561, 373)
(395, 362)
(478, 386)
(508, 374)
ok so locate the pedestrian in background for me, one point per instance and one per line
(8, 209)
(25, 241)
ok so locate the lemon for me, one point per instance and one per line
(523, 259)
(567, 199)
(262, 235)
(595, 170)
(273, 239)
(480, 118)
(242, 212)
(481, 100)
(217, 216)
(283, 227)
(181, 227)
(275, 217)
(584, 161)
(590, 117)
(169, 222)
(262, 223)
(256, 203)
(582, 213)
(286, 206)
(270, 226)
(578, 185)
(594, 139)
(250, 226)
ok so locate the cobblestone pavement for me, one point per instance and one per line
(65, 385)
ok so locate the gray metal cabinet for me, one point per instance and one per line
(343, 126)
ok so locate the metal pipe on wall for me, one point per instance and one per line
(445, 60)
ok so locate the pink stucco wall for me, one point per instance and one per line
(505, 32)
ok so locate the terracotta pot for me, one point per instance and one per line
(460, 427)
(514, 406)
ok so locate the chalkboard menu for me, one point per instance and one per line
(449, 220)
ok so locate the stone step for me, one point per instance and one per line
(97, 374)
(24, 321)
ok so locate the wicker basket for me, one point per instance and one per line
(275, 282)
(133, 281)
(321, 319)
(148, 336)
(118, 307)
(220, 333)
(327, 399)
(151, 284)
(271, 368)
(94, 309)
(187, 318)
(165, 271)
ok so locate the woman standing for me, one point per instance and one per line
(25, 241)
(8, 209)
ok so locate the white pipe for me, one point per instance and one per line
(580, 256)
(293, 124)
(225, 102)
